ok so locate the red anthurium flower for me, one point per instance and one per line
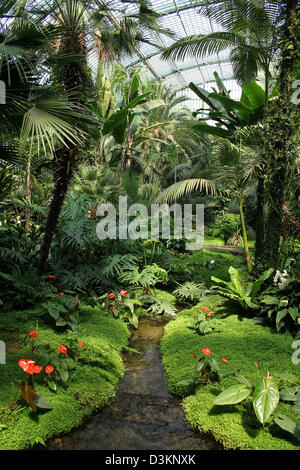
(82, 345)
(49, 369)
(63, 349)
(51, 277)
(33, 334)
(206, 351)
(111, 295)
(256, 365)
(224, 360)
(205, 309)
(27, 365)
(123, 292)
(37, 369)
(61, 293)
(23, 362)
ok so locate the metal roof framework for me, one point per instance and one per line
(182, 17)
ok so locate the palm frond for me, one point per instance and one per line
(177, 190)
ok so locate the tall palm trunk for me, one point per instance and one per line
(28, 192)
(74, 77)
(244, 234)
(280, 125)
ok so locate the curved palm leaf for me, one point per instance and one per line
(182, 188)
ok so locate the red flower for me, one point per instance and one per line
(51, 277)
(61, 293)
(209, 314)
(33, 334)
(49, 369)
(28, 366)
(205, 309)
(256, 365)
(206, 351)
(23, 362)
(37, 369)
(111, 295)
(224, 360)
(82, 345)
(63, 349)
(123, 292)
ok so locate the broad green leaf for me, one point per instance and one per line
(256, 285)
(235, 279)
(233, 395)
(265, 399)
(288, 425)
(290, 394)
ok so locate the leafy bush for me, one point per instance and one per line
(244, 294)
(280, 302)
(190, 291)
(225, 225)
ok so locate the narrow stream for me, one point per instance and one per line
(143, 415)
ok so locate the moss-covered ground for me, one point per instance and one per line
(90, 385)
(242, 343)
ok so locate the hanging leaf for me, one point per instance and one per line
(28, 393)
(41, 403)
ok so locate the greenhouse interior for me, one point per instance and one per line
(149, 228)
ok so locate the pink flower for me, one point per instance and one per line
(206, 351)
(209, 314)
(61, 293)
(205, 309)
(256, 365)
(123, 292)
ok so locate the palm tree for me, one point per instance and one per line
(77, 21)
(249, 30)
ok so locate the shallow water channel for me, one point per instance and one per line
(143, 415)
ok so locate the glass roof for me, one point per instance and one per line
(183, 19)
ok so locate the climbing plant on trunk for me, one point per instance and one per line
(279, 130)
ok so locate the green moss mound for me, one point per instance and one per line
(242, 343)
(89, 387)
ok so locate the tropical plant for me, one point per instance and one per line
(207, 370)
(264, 396)
(145, 279)
(246, 294)
(201, 324)
(189, 291)
(279, 302)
